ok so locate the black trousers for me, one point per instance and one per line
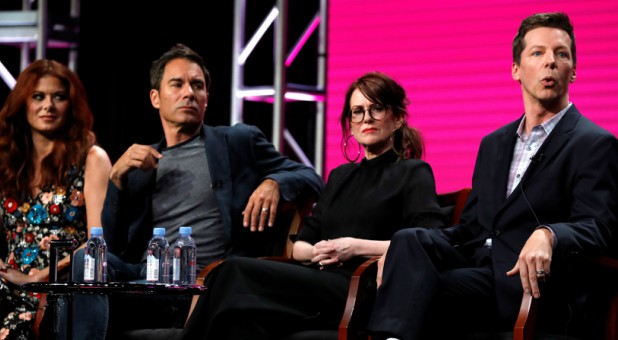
(431, 290)
(259, 299)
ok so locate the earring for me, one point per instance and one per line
(344, 150)
(397, 144)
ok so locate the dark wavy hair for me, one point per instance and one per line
(178, 51)
(73, 140)
(382, 89)
(554, 20)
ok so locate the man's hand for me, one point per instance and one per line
(137, 156)
(534, 261)
(262, 206)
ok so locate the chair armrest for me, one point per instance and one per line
(526, 319)
(606, 262)
(201, 278)
(361, 296)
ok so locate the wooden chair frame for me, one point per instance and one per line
(525, 325)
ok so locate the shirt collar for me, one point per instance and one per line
(547, 125)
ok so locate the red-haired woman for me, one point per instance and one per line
(53, 180)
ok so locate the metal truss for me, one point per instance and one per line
(33, 29)
(281, 90)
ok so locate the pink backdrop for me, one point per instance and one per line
(454, 60)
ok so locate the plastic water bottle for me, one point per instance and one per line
(158, 258)
(95, 257)
(184, 258)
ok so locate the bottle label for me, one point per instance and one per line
(152, 268)
(89, 266)
(176, 271)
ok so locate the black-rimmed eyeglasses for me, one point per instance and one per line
(376, 112)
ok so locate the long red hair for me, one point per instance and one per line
(71, 146)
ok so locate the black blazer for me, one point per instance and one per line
(571, 186)
(239, 159)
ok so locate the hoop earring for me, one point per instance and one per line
(395, 147)
(344, 150)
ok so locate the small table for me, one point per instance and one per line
(56, 289)
(63, 288)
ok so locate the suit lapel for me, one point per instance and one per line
(220, 173)
(218, 158)
(504, 155)
(553, 144)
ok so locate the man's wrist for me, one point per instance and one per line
(549, 232)
(117, 179)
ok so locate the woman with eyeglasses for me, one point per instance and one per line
(362, 206)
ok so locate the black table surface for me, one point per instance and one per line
(112, 288)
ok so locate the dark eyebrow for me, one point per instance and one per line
(174, 79)
(198, 80)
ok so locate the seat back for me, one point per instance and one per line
(452, 203)
(299, 212)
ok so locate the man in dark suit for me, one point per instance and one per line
(544, 194)
(224, 182)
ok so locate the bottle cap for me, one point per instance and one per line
(96, 231)
(185, 231)
(158, 231)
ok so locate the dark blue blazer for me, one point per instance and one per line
(571, 186)
(239, 159)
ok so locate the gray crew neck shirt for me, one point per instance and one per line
(183, 196)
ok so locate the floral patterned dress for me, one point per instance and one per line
(58, 212)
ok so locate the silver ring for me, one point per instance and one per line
(320, 263)
(264, 209)
(540, 272)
